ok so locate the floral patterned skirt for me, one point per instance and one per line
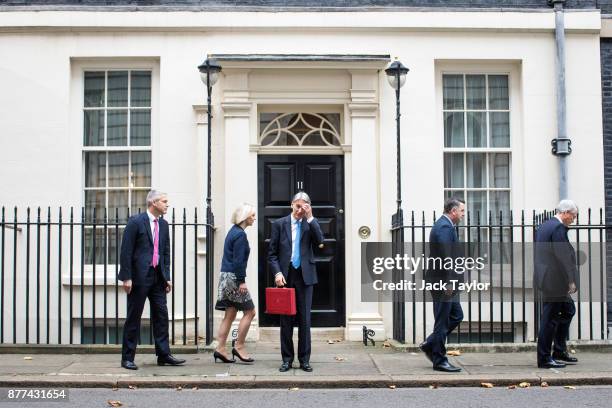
(229, 296)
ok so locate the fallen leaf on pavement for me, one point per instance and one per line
(294, 389)
(338, 358)
(486, 385)
(524, 385)
(114, 403)
(27, 358)
(132, 387)
(544, 384)
(512, 387)
(392, 386)
(569, 387)
(454, 353)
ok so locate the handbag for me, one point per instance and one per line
(280, 301)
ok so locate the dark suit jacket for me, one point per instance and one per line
(555, 259)
(443, 243)
(279, 250)
(137, 250)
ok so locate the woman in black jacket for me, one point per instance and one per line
(233, 294)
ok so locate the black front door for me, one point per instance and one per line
(322, 177)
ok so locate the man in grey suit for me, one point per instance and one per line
(291, 260)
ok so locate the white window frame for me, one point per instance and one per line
(128, 148)
(78, 68)
(485, 67)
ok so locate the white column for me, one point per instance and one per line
(240, 171)
(362, 169)
(199, 183)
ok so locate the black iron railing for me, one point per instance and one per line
(510, 313)
(58, 277)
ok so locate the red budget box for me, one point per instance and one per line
(280, 301)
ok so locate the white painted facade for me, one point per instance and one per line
(43, 56)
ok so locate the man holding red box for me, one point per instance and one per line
(291, 259)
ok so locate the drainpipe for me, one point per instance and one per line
(561, 145)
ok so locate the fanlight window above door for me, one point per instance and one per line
(300, 129)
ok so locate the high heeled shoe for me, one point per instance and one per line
(221, 357)
(237, 354)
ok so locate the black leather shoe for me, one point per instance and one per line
(447, 368)
(306, 366)
(169, 360)
(551, 364)
(565, 357)
(284, 367)
(129, 365)
(425, 349)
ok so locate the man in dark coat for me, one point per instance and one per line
(556, 276)
(444, 243)
(291, 260)
(145, 272)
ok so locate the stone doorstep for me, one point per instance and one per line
(272, 334)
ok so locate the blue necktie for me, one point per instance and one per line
(295, 260)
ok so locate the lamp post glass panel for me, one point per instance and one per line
(396, 75)
(209, 73)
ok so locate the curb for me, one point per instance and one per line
(262, 382)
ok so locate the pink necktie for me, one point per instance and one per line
(155, 259)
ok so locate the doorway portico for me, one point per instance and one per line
(255, 88)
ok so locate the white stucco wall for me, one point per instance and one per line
(43, 55)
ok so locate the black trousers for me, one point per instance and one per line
(554, 327)
(303, 298)
(156, 293)
(447, 314)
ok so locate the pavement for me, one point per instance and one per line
(338, 365)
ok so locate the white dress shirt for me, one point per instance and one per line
(293, 233)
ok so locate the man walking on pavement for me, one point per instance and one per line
(556, 276)
(443, 241)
